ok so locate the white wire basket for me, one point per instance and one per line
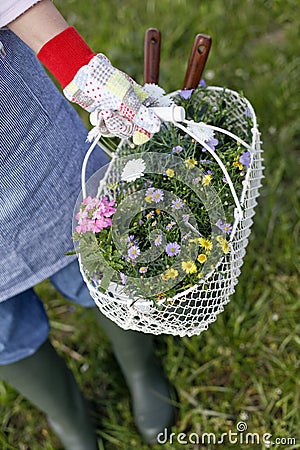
(191, 311)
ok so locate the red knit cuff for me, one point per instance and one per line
(65, 54)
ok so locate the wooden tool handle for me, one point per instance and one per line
(152, 55)
(197, 61)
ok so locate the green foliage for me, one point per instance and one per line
(246, 365)
(195, 178)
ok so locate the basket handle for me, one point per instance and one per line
(152, 55)
(176, 115)
(197, 61)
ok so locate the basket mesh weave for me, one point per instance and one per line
(193, 310)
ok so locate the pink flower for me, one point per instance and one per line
(90, 202)
(81, 215)
(94, 214)
(83, 227)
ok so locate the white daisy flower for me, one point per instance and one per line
(201, 131)
(133, 170)
(154, 90)
(158, 93)
(165, 101)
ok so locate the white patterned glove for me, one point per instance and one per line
(120, 102)
(91, 81)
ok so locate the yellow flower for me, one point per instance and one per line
(160, 296)
(148, 199)
(224, 244)
(238, 164)
(202, 258)
(206, 179)
(170, 173)
(205, 243)
(170, 274)
(189, 266)
(157, 211)
(191, 162)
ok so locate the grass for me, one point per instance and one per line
(246, 366)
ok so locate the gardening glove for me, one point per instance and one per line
(90, 80)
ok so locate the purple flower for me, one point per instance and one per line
(157, 195)
(133, 252)
(247, 112)
(158, 240)
(131, 241)
(212, 143)
(143, 269)
(150, 191)
(196, 180)
(245, 159)
(225, 227)
(186, 236)
(186, 93)
(172, 249)
(177, 204)
(123, 277)
(170, 225)
(177, 149)
(150, 215)
(202, 83)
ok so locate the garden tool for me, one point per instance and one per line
(152, 55)
(197, 61)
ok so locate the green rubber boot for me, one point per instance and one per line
(150, 391)
(47, 382)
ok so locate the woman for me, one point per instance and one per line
(41, 152)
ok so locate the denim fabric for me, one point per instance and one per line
(42, 146)
(24, 323)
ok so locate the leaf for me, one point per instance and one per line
(191, 111)
(107, 277)
(202, 111)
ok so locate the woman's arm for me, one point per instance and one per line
(38, 24)
(87, 79)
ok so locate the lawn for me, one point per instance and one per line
(246, 366)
